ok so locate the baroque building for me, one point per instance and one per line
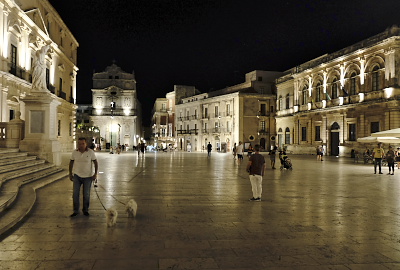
(337, 98)
(38, 79)
(243, 112)
(116, 111)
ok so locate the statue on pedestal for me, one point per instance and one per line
(39, 70)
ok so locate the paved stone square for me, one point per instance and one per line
(194, 213)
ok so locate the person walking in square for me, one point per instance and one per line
(239, 152)
(377, 154)
(255, 168)
(209, 148)
(81, 173)
(390, 155)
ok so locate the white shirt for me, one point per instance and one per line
(239, 149)
(83, 163)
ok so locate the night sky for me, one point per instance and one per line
(211, 44)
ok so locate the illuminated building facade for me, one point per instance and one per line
(163, 116)
(37, 118)
(116, 111)
(243, 112)
(337, 98)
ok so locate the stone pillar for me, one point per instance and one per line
(361, 128)
(41, 126)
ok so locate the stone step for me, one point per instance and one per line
(24, 172)
(12, 155)
(25, 200)
(10, 189)
(8, 150)
(8, 161)
(20, 165)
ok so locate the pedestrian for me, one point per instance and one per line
(377, 154)
(234, 151)
(239, 151)
(209, 148)
(255, 168)
(322, 151)
(81, 173)
(250, 151)
(272, 157)
(318, 152)
(390, 156)
(142, 148)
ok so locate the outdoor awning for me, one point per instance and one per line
(387, 133)
(371, 139)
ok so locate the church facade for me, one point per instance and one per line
(116, 111)
(338, 98)
(38, 71)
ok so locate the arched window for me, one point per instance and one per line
(280, 103)
(287, 101)
(304, 95)
(353, 83)
(375, 78)
(334, 91)
(287, 135)
(318, 91)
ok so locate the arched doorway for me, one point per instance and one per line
(335, 141)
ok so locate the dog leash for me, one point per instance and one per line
(95, 189)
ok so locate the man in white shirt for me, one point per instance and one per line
(239, 152)
(81, 173)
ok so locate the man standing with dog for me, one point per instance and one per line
(255, 168)
(81, 173)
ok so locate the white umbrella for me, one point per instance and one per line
(371, 139)
(387, 133)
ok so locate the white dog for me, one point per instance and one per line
(131, 208)
(111, 216)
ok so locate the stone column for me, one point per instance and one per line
(41, 126)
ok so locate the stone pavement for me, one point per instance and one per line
(194, 213)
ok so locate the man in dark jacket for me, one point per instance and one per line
(255, 168)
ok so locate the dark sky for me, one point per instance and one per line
(211, 44)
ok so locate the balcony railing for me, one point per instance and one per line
(187, 131)
(18, 71)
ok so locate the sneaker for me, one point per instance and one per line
(392, 173)
(73, 214)
(253, 199)
(389, 173)
(380, 172)
(86, 213)
(258, 200)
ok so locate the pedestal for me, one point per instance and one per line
(41, 126)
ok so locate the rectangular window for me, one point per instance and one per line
(13, 59)
(216, 111)
(375, 127)
(317, 133)
(262, 125)
(205, 112)
(205, 127)
(303, 134)
(61, 83)
(59, 128)
(163, 120)
(352, 132)
(263, 109)
(260, 79)
(70, 129)
(228, 109)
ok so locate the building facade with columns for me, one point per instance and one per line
(337, 98)
(243, 112)
(116, 111)
(38, 79)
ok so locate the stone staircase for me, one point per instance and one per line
(20, 176)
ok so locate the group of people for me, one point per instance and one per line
(238, 152)
(391, 156)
